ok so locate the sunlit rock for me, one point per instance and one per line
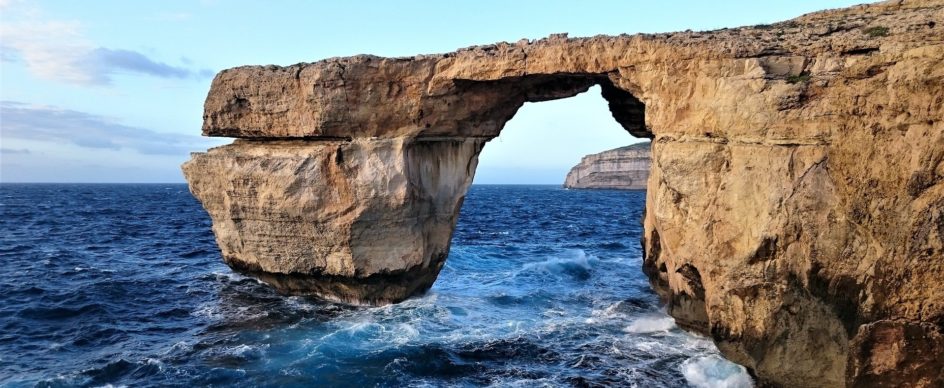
(795, 206)
(624, 168)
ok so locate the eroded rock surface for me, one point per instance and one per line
(795, 207)
(360, 221)
(624, 168)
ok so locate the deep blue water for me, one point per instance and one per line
(123, 285)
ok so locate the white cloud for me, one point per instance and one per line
(52, 50)
(58, 51)
(56, 125)
(4, 4)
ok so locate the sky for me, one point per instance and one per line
(112, 91)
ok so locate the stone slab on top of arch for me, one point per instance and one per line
(368, 97)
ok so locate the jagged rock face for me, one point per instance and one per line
(624, 168)
(795, 207)
(363, 221)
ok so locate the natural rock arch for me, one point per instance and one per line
(795, 209)
(380, 230)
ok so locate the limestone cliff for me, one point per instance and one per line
(624, 168)
(795, 208)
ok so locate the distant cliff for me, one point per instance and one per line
(624, 168)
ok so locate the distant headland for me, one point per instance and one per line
(624, 168)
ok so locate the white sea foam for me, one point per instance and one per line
(539, 382)
(715, 372)
(610, 312)
(398, 334)
(230, 276)
(240, 350)
(209, 311)
(572, 260)
(650, 324)
(361, 328)
(647, 346)
(156, 362)
(244, 351)
(181, 346)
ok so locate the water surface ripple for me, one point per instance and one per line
(123, 285)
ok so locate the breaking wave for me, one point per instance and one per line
(715, 372)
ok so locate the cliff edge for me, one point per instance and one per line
(624, 168)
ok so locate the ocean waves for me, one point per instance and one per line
(542, 287)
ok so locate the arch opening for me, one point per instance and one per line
(501, 99)
(548, 124)
(542, 248)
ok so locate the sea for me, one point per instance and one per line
(123, 285)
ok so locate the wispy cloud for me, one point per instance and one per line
(12, 151)
(6, 3)
(57, 50)
(108, 60)
(52, 124)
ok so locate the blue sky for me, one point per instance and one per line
(112, 91)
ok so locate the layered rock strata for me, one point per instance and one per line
(624, 168)
(795, 207)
